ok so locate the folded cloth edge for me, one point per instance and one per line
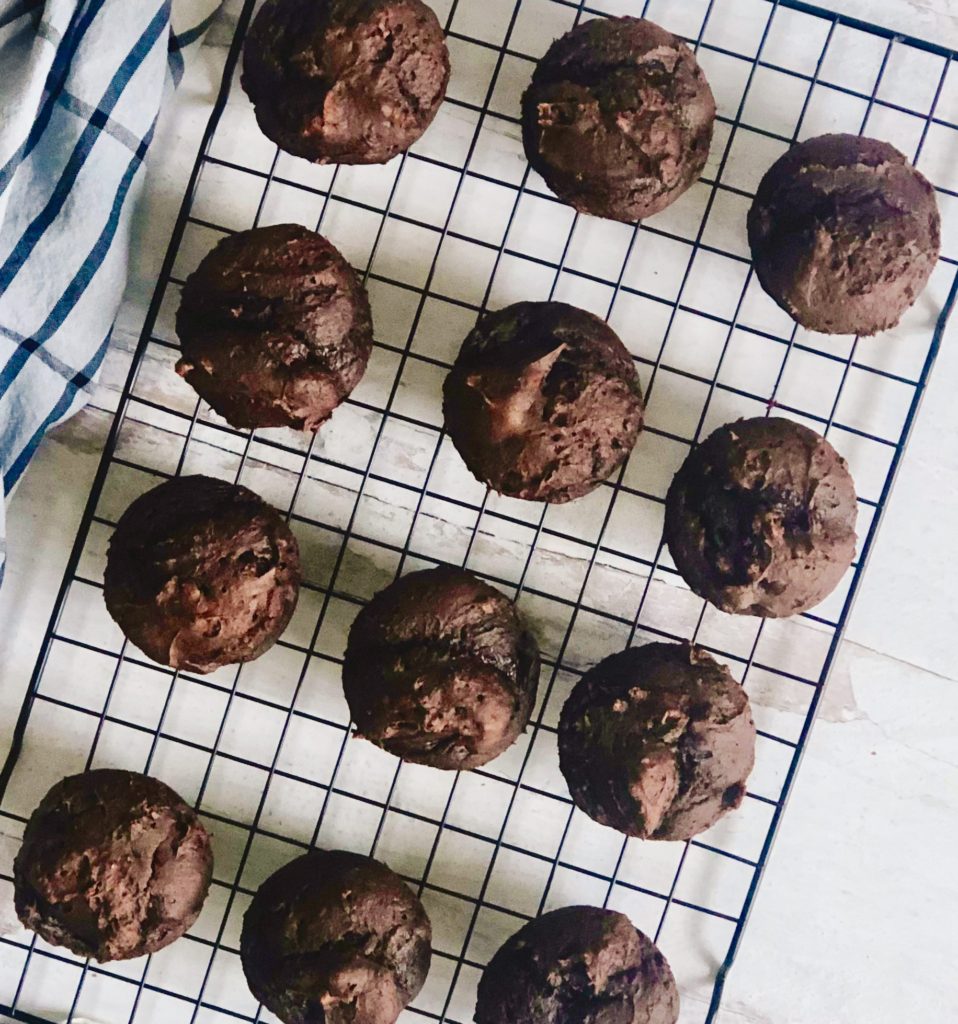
(79, 100)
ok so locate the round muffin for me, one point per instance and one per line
(543, 401)
(618, 119)
(657, 741)
(335, 937)
(275, 329)
(345, 81)
(845, 234)
(113, 865)
(202, 573)
(760, 519)
(440, 670)
(578, 965)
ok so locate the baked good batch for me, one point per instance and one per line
(202, 573)
(543, 401)
(760, 519)
(345, 81)
(657, 741)
(845, 234)
(113, 865)
(578, 965)
(440, 670)
(274, 327)
(618, 119)
(335, 937)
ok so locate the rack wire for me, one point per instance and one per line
(457, 225)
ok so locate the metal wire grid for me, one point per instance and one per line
(431, 828)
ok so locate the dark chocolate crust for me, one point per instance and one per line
(345, 81)
(618, 119)
(275, 328)
(578, 965)
(760, 519)
(845, 234)
(440, 670)
(202, 573)
(336, 938)
(657, 741)
(113, 865)
(543, 401)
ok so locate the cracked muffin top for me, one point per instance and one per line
(345, 81)
(113, 865)
(845, 234)
(543, 401)
(335, 937)
(618, 118)
(440, 670)
(760, 519)
(202, 573)
(275, 328)
(657, 741)
(578, 965)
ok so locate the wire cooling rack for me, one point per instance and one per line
(457, 225)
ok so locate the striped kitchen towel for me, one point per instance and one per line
(81, 83)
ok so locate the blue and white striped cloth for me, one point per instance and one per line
(81, 83)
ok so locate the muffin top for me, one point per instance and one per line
(335, 937)
(578, 965)
(440, 670)
(618, 118)
(275, 328)
(657, 741)
(345, 81)
(113, 865)
(760, 519)
(543, 401)
(202, 573)
(845, 234)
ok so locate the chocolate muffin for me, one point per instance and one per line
(543, 401)
(618, 119)
(335, 937)
(202, 573)
(345, 81)
(578, 965)
(657, 741)
(440, 670)
(113, 865)
(275, 328)
(845, 234)
(760, 519)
